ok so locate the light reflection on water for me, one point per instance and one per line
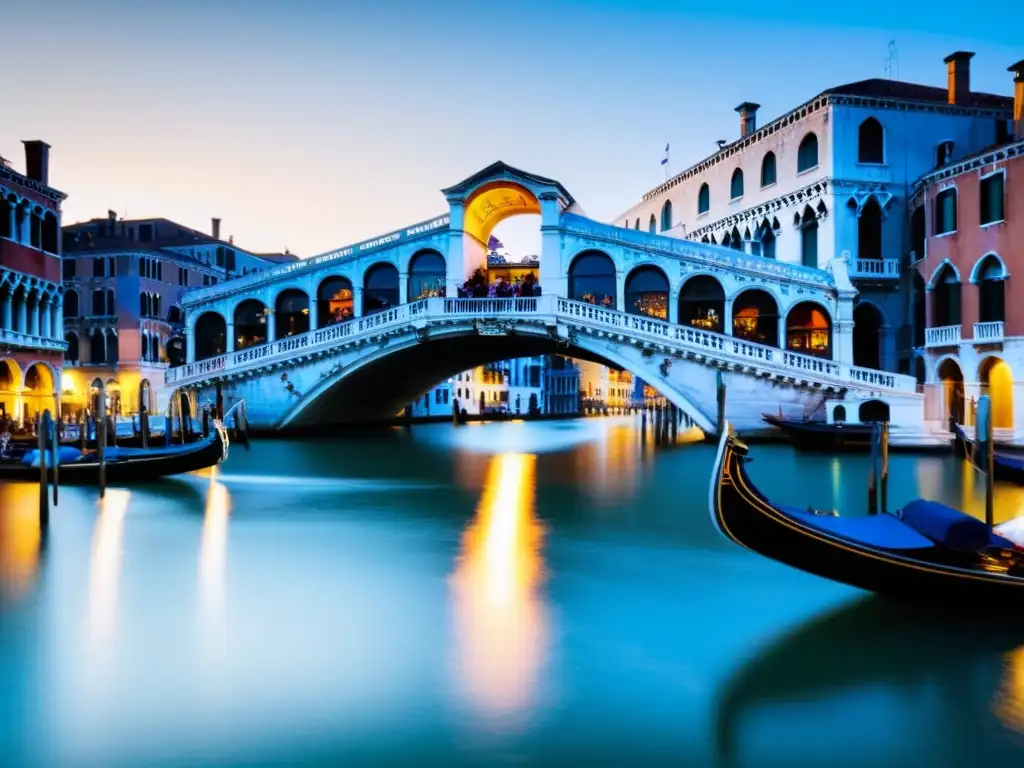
(541, 592)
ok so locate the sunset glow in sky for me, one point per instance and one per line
(316, 123)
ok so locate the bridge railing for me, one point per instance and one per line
(638, 326)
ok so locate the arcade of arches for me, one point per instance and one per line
(25, 394)
(959, 402)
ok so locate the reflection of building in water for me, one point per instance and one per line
(20, 538)
(1009, 700)
(213, 562)
(105, 568)
(610, 468)
(501, 625)
(602, 387)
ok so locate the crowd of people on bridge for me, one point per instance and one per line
(479, 286)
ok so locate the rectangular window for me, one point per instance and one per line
(68, 268)
(991, 198)
(99, 267)
(146, 233)
(112, 267)
(446, 397)
(809, 245)
(945, 212)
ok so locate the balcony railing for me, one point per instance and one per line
(876, 269)
(943, 336)
(30, 341)
(988, 333)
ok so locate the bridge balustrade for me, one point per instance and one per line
(644, 328)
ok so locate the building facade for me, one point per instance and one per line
(31, 342)
(123, 281)
(969, 225)
(829, 177)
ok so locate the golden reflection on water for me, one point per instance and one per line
(1008, 705)
(213, 553)
(20, 538)
(501, 626)
(935, 480)
(105, 567)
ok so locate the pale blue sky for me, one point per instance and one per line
(310, 124)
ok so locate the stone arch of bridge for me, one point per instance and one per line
(380, 383)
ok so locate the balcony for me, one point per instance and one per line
(875, 269)
(988, 333)
(31, 341)
(943, 336)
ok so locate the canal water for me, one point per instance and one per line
(515, 593)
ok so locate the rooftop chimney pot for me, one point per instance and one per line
(748, 117)
(215, 228)
(37, 161)
(958, 76)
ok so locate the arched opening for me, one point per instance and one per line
(174, 315)
(6, 204)
(867, 335)
(291, 313)
(869, 231)
(144, 305)
(733, 240)
(839, 414)
(702, 303)
(755, 317)
(704, 199)
(766, 237)
(952, 379)
(250, 324)
(211, 335)
(97, 346)
(736, 184)
(145, 346)
(334, 301)
(113, 347)
(99, 303)
(592, 279)
(768, 169)
(809, 330)
(39, 390)
(919, 370)
(666, 216)
(380, 288)
(809, 238)
(807, 153)
(871, 142)
(647, 292)
(946, 298)
(71, 355)
(110, 303)
(652, 225)
(71, 303)
(873, 410)
(991, 279)
(996, 380)
(51, 233)
(10, 384)
(426, 275)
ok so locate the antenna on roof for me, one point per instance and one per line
(892, 62)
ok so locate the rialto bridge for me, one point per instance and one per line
(363, 330)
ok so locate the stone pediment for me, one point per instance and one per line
(500, 172)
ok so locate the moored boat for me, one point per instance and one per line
(844, 437)
(925, 551)
(121, 465)
(1005, 466)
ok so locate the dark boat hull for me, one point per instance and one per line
(837, 438)
(1007, 468)
(135, 466)
(741, 513)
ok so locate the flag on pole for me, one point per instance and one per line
(664, 160)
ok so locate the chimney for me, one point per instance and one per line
(748, 118)
(37, 161)
(958, 76)
(215, 228)
(1018, 99)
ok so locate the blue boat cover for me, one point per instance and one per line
(951, 527)
(1009, 461)
(883, 531)
(65, 454)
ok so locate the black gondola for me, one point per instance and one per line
(925, 551)
(122, 465)
(819, 437)
(1005, 466)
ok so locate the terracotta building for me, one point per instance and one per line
(31, 337)
(967, 229)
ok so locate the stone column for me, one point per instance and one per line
(6, 321)
(620, 291)
(403, 288)
(25, 236)
(33, 319)
(22, 320)
(455, 266)
(553, 280)
(727, 317)
(842, 321)
(229, 342)
(57, 318)
(357, 298)
(271, 326)
(673, 307)
(44, 321)
(11, 220)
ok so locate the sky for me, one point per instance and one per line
(312, 124)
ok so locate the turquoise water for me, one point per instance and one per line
(491, 594)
